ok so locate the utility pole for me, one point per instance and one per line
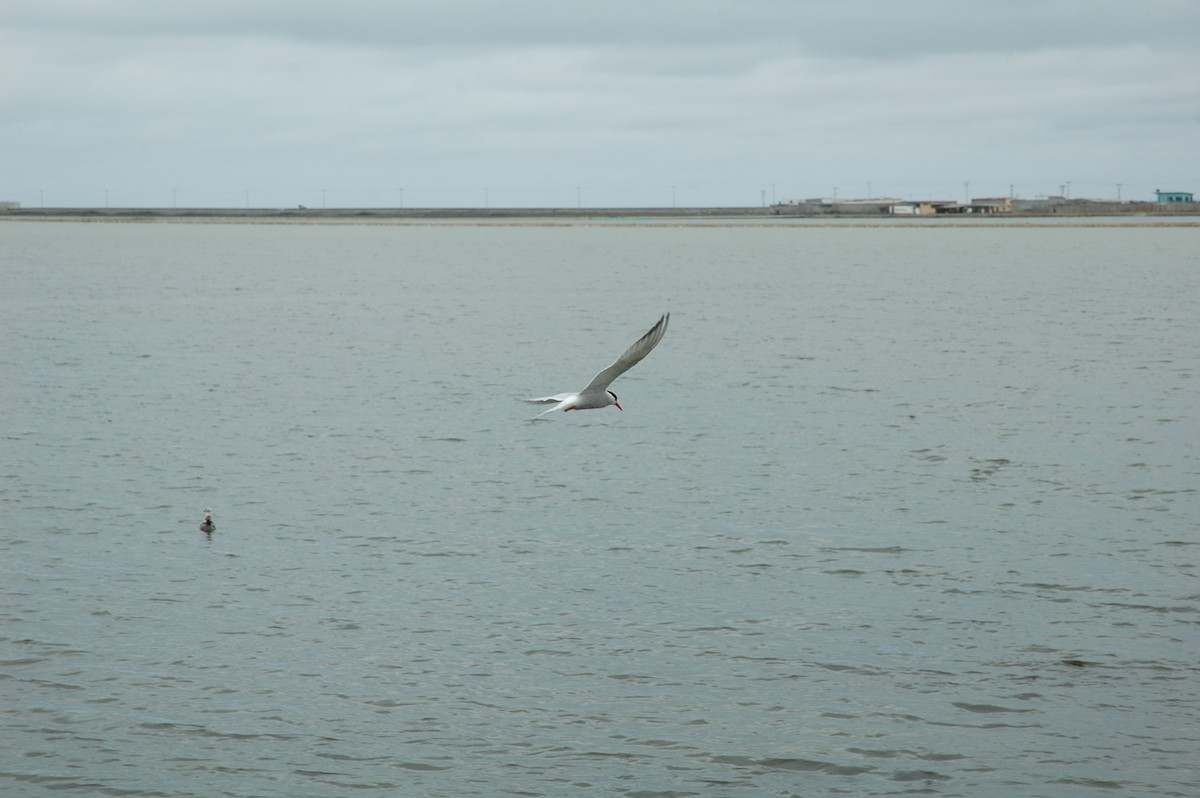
(486, 199)
(1118, 192)
(578, 197)
(672, 196)
(401, 198)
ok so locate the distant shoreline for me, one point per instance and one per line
(771, 215)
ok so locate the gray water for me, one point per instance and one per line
(890, 511)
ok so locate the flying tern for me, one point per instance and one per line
(596, 394)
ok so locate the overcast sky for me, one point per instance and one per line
(275, 103)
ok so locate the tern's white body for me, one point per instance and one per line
(596, 394)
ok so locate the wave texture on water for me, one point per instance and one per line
(889, 511)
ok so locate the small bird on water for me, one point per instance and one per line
(207, 526)
(596, 395)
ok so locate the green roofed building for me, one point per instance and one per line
(1167, 197)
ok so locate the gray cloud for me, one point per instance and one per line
(538, 100)
(860, 27)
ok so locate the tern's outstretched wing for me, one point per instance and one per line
(633, 355)
(558, 397)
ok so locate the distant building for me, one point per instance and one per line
(1049, 204)
(819, 206)
(9, 206)
(992, 204)
(1167, 197)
